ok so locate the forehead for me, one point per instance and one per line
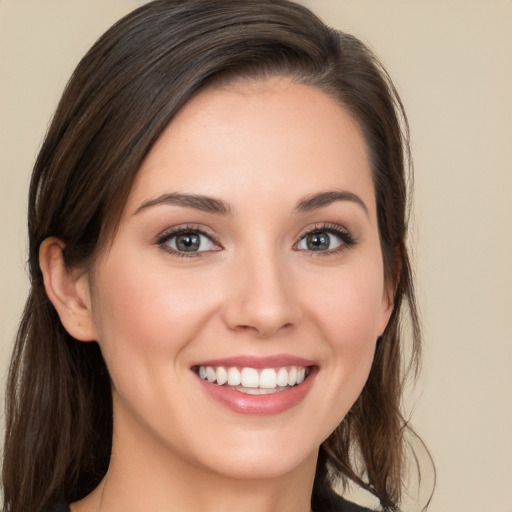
(271, 137)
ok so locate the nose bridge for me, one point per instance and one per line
(262, 298)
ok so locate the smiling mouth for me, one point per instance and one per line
(254, 381)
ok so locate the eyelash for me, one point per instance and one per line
(347, 240)
(168, 235)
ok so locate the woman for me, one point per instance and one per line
(217, 228)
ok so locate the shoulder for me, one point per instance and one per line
(329, 501)
(58, 507)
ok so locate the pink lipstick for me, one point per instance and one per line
(255, 385)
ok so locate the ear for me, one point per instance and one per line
(68, 290)
(388, 303)
(390, 287)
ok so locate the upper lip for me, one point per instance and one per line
(246, 361)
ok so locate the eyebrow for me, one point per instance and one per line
(220, 207)
(323, 199)
(198, 202)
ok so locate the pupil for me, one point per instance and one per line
(187, 242)
(318, 241)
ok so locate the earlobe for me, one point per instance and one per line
(68, 290)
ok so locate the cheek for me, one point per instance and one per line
(143, 311)
(348, 310)
(350, 306)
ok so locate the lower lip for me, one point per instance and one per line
(273, 403)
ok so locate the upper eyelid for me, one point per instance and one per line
(174, 231)
(322, 226)
(165, 236)
(348, 239)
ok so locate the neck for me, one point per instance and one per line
(144, 476)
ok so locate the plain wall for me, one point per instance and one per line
(452, 64)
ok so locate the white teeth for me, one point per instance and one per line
(253, 381)
(268, 379)
(292, 376)
(222, 376)
(233, 377)
(249, 378)
(282, 377)
(258, 391)
(211, 375)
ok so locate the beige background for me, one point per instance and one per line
(452, 63)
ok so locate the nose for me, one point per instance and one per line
(261, 296)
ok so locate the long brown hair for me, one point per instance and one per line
(120, 98)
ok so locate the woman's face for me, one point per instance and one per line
(240, 302)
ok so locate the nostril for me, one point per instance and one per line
(261, 302)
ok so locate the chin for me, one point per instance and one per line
(264, 465)
(258, 455)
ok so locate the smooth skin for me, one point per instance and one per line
(267, 275)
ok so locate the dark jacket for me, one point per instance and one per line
(325, 503)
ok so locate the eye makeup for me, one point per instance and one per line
(193, 241)
(187, 241)
(318, 240)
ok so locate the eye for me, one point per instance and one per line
(187, 241)
(325, 239)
